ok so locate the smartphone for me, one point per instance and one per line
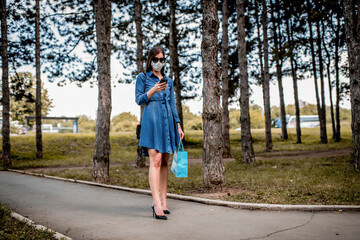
(163, 80)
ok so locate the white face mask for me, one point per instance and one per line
(157, 66)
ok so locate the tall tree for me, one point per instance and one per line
(174, 59)
(322, 117)
(225, 78)
(39, 148)
(246, 139)
(140, 159)
(101, 161)
(328, 70)
(279, 62)
(213, 166)
(294, 70)
(266, 80)
(5, 89)
(352, 30)
(312, 49)
(339, 38)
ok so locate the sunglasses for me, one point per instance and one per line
(155, 60)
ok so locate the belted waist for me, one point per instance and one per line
(165, 100)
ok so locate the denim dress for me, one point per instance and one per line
(158, 126)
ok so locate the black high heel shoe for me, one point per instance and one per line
(157, 216)
(166, 211)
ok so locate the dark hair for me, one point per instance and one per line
(153, 52)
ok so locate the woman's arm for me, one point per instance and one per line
(141, 96)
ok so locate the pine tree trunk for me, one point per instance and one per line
(140, 159)
(331, 102)
(337, 81)
(259, 45)
(225, 79)
(174, 61)
(5, 89)
(323, 134)
(39, 148)
(311, 40)
(352, 31)
(246, 139)
(293, 66)
(102, 9)
(266, 87)
(284, 134)
(213, 166)
(328, 68)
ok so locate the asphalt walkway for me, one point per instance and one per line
(89, 212)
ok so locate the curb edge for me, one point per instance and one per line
(30, 222)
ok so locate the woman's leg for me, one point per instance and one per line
(164, 180)
(154, 179)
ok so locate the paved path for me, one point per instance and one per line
(89, 212)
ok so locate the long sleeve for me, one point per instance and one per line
(172, 103)
(140, 93)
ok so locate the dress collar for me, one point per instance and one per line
(150, 74)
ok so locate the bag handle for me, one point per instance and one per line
(181, 146)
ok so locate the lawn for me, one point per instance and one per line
(12, 229)
(291, 174)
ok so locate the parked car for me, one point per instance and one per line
(306, 121)
(277, 121)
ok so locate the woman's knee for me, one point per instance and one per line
(155, 158)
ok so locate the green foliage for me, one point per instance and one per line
(191, 121)
(234, 118)
(12, 229)
(124, 122)
(86, 124)
(22, 97)
(256, 116)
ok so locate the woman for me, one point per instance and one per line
(160, 126)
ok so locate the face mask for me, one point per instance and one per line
(157, 66)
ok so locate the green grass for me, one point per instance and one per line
(12, 229)
(330, 180)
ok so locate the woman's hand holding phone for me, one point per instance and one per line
(161, 85)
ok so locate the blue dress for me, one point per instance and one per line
(158, 126)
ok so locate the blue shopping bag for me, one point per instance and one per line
(179, 164)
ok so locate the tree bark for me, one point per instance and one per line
(331, 101)
(225, 78)
(337, 79)
(311, 40)
(352, 31)
(259, 46)
(140, 159)
(5, 89)
(246, 139)
(277, 43)
(323, 134)
(102, 9)
(213, 166)
(266, 82)
(328, 68)
(39, 147)
(293, 65)
(174, 61)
